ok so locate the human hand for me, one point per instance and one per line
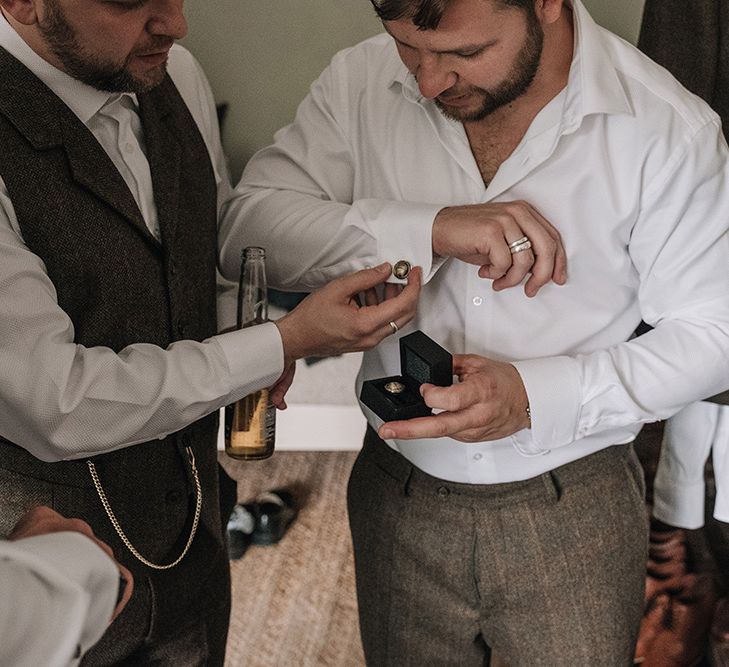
(278, 391)
(480, 234)
(42, 520)
(332, 321)
(489, 403)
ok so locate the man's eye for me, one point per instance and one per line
(469, 54)
(129, 4)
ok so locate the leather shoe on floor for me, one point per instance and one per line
(239, 531)
(274, 511)
(682, 640)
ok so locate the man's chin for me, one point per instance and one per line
(146, 81)
(461, 112)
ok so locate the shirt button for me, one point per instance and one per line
(478, 456)
(401, 269)
(128, 148)
(443, 491)
(173, 496)
(477, 300)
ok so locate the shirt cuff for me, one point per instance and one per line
(403, 230)
(679, 504)
(254, 356)
(84, 578)
(554, 414)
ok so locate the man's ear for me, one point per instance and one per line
(23, 11)
(547, 10)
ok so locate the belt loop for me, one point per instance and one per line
(552, 485)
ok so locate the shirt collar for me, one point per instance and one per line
(84, 100)
(593, 85)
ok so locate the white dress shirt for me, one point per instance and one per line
(60, 400)
(631, 169)
(57, 594)
(690, 436)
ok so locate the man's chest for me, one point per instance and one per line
(491, 146)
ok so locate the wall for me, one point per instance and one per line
(261, 57)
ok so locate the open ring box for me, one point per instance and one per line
(398, 396)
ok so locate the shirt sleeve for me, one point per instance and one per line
(58, 594)
(680, 247)
(54, 389)
(678, 488)
(298, 197)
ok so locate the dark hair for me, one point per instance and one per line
(426, 14)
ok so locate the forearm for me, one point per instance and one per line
(61, 400)
(632, 383)
(302, 198)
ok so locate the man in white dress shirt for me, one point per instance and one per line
(514, 517)
(111, 372)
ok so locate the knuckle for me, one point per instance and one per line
(519, 207)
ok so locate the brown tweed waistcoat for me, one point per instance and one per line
(120, 286)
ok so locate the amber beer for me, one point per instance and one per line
(250, 423)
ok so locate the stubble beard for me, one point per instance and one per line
(110, 77)
(516, 84)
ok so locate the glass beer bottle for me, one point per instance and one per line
(250, 423)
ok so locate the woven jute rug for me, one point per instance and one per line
(294, 603)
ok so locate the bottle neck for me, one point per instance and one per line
(252, 293)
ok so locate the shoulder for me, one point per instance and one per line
(656, 96)
(361, 71)
(185, 71)
(374, 56)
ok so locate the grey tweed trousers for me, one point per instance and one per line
(547, 572)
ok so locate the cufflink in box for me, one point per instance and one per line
(398, 397)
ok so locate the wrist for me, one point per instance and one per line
(440, 220)
(289, 339)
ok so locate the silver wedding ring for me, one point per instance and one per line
(513, 244)
(519, 247)
(394, 327)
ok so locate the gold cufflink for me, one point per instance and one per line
(401, 269)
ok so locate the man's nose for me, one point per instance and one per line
(168, 19)
(433, 78)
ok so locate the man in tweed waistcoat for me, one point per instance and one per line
(111, 370)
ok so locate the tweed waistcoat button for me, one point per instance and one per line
(174, 496)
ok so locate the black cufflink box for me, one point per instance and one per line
(398, 397)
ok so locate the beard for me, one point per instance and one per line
(103, 75)
(516, 84)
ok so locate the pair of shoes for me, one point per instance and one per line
(679, 636)
(264, 521)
